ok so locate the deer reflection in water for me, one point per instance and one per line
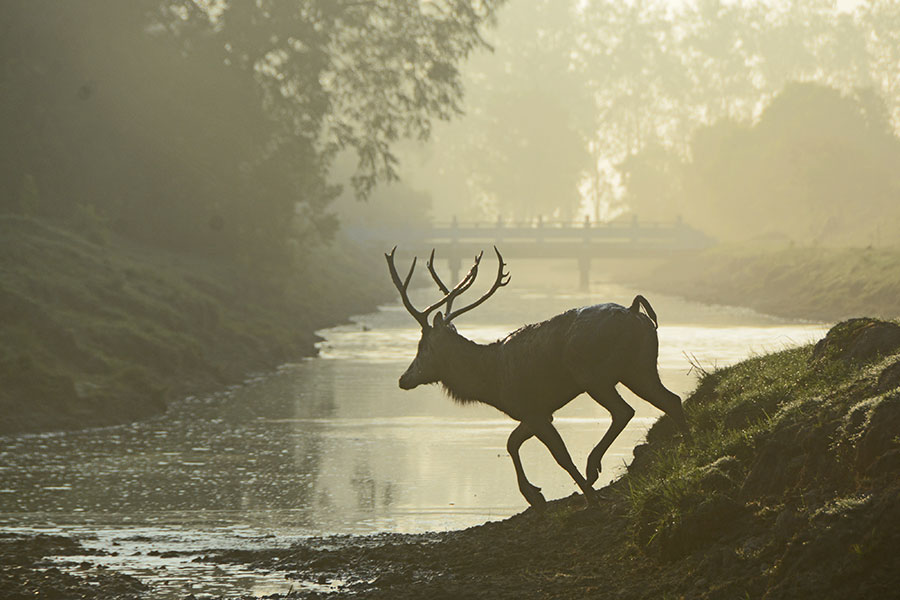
(539, 368)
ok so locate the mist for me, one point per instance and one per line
(747, 120)
(449, 298)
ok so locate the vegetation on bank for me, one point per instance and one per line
(787, 488)
(97, 330)
(811, 283)
(789, 485)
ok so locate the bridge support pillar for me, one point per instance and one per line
(455, 263)
(584, 272)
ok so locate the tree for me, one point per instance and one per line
(652, 180)
(355, 75)
(213, 126)
(520, 151)
(818, 167)
(660, 71)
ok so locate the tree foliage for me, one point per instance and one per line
(631, 80)
(716, 62)
(213, 125)
(818, 166)
(521, 149)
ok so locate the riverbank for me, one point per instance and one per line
(788, 488)
(97, 332)
(817, 284)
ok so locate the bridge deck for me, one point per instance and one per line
(458, 242)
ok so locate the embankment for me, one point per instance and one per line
(95, 334)
(789, 487)
(820, 284)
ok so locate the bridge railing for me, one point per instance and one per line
(630, 232)
(551, 224)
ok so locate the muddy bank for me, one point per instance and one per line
(27, 572)
(817, 284)
(788, 488)
(100, 333)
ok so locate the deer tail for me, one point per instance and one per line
(640, 301)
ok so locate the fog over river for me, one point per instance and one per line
(331, 445)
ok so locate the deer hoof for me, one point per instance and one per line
(535, 498)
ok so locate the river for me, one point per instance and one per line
(331, 445)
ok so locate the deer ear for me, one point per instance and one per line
(438, 319)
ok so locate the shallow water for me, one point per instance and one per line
(332, 445)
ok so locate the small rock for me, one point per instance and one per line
(889, 378)
(858, 340)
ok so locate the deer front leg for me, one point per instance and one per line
(621, 414)
(531, 492)
(547, 433)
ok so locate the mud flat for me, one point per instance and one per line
(26, 571)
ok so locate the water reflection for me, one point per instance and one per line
(332, 445)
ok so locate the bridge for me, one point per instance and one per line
(582, 241)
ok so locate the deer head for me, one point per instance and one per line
(439, 333)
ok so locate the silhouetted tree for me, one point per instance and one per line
(595, 82)
(659, 71)
(212, 126)
(653, 183)
(819, 166)
(520, 151)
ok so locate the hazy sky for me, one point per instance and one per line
(841, 4)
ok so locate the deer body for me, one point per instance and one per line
(539, 368)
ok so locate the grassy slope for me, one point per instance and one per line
(826, 284)
(100, 334)
(788, 488)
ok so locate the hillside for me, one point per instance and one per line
(95, 330)
(788, 488)
(819, 284)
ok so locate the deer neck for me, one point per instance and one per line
(469, 371)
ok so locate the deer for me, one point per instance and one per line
(539, 368)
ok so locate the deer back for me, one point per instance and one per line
(559, 358)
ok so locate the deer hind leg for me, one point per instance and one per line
(547, 433)
(651, 389)
(531, 492)
(621, 414)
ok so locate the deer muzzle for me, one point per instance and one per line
(411, 377)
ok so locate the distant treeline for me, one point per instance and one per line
(660, 108)
(231, 127)
(817, 167)
(212, 127)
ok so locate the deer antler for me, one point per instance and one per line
(498, 283)
(466, 283)
(403, 287)
(434, 274)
